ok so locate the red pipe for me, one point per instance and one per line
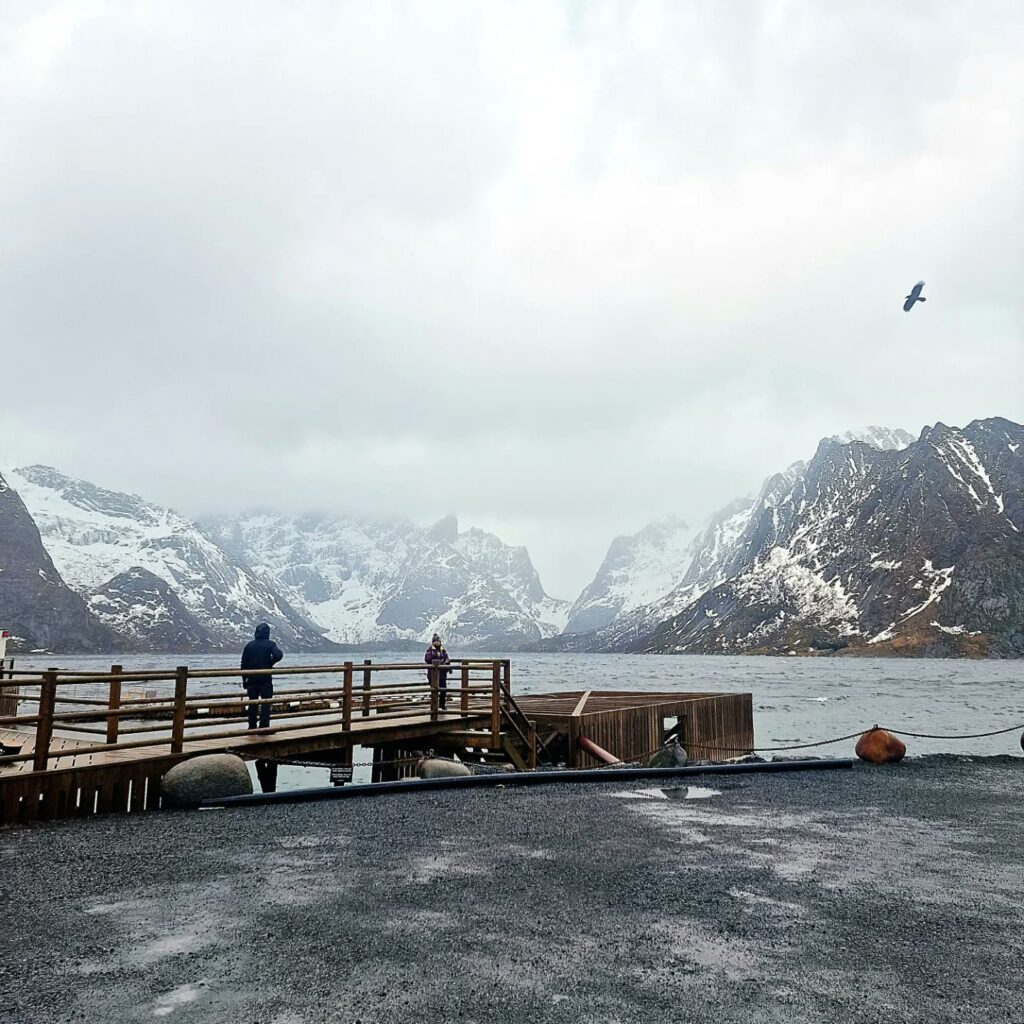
(595, 751)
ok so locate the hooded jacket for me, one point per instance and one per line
(260, 653)
(437, 656)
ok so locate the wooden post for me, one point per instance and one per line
(8, 694)
(113, 703)
(44, 727)
(506, 675)
(178, 722)
(532, 735)
(574, 735)
(464, 703)
(346, 699)
(435, 682)
(496, 705)
(367, 674)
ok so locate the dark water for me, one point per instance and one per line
(796, 700)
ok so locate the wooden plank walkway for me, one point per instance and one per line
(85, 745)
(69, 753)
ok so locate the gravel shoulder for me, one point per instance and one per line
(890, 893)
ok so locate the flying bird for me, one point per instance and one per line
(914, 296)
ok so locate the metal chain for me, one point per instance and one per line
(839, 739)
(642, 757)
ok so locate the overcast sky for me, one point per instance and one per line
(560, 268)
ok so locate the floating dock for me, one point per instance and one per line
(80, 743)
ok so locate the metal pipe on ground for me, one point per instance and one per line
(299, 796)
(595, 751)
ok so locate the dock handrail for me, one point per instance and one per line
(170, 720)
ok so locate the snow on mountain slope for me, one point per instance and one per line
(512, 568)
(94, 536)
(885, 439)
(916, 549)
(36, 605)
(636, 571)
(146, 613)
(383, 580)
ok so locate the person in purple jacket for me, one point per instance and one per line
(437, 655)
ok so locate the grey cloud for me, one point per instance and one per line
(561, 269)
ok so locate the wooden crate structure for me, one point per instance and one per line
(632, 725)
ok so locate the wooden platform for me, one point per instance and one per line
(84, 747)
(633, 725)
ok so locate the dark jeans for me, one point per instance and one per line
(259, 691)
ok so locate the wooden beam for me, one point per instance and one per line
(578, 710)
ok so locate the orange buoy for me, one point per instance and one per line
(880, 747)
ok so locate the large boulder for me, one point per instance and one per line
(439, 768)
(207, 777)
(671, 755)
(877, 746)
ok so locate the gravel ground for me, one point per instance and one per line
(863, 895)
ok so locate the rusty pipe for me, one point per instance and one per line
(595, 751)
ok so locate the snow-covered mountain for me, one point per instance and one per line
(147, 615)
(885, 439)
(98, 539)
(36, 605)
(656, 573)
(738, 547)
(512, 568)
(637, 570)
(916, 549)
(364, 580)
(879, 543)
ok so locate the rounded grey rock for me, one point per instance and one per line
(207, 777)
(436, 768)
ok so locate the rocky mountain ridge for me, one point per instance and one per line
(819, 561)
(36, 606)
(880, 543)
(146, 578)
(364, 580)
(916, 550)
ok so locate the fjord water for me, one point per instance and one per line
(796, 700)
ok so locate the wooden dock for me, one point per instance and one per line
(82, 743)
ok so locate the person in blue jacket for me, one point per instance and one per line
(260, 653)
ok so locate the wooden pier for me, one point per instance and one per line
(82, 743)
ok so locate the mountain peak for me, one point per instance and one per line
(445, 530)
(885, 439)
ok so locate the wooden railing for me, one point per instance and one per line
(121, 718)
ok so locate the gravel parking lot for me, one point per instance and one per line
(860, 895)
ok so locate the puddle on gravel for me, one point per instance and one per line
(692, 793)
(640, 794)
(676, 793)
